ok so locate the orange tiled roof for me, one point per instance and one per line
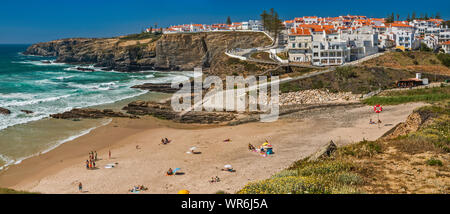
(300, 32)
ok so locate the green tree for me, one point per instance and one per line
(271, 22)
(413, 17)
(264, 19)
(424, 47)
(390, 18)
(438, 16)
(229, 21)
(408, 18)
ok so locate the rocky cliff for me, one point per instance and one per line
(176, 52)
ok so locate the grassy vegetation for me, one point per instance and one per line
(304, 177)
(355, 79)
(444, 58)
(415, 95)
(11, 191)
(250, 67)
(141, 36)
(436, 134)
(262, 56)
(283, 55)
(410, 58)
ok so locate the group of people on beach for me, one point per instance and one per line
(265, 149)
(90, 164)
(372, 122)
(214, 179)
(138, 188)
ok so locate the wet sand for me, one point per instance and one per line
(293, 137)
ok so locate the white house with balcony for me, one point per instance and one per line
(299, 45)
(327, 53)
(403, 36)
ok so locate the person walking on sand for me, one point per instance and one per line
(109, 154)
(95, 158)
(87, 164)
(80, 187)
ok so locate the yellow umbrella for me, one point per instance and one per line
(265, 144)
(183, 191)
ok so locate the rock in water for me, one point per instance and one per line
(27, 111)
(4, 111)
(324, 152)
(88, 113)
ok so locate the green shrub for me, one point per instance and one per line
(444, 58)
(286, 173)
(11, 191)
(350, 178)
(362, 149)
(346, 72)
(434, 162)
(286, 185)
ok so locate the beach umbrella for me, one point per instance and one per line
(183, 191)
(193, 148)
(265, 144)
(228, 166)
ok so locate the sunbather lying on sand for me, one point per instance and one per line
(165, 141)
(229, 170)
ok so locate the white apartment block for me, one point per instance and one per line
(299, 45)
(327, 53)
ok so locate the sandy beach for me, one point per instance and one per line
(293, 137)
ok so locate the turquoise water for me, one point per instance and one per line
(26, 83)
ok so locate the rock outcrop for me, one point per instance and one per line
(88, 113)
(324, 152)
(165, 111)
(317, 96)
(176, 52)
(4, 111)
(27, 111)
(414, 121)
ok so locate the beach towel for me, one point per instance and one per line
(175, 170)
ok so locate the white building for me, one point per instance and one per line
(403, 36)
(446, 47)
(329, 53)
(299, 45)
(431, 41)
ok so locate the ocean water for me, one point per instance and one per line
(27, 83)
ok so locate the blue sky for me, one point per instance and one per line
(28, 21)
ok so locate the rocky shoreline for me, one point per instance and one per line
(170, 52)
(89, 113)
(164, 111)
